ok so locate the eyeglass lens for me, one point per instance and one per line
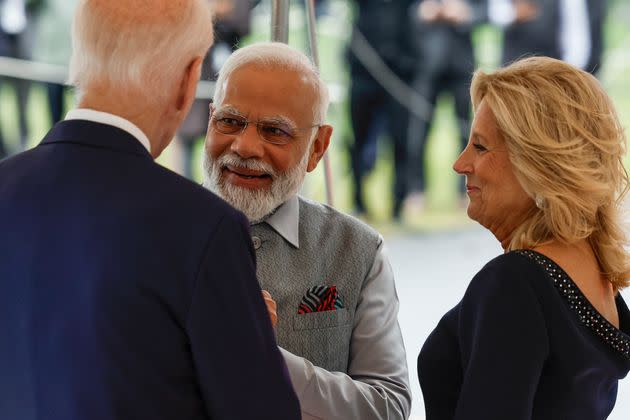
(272, 132)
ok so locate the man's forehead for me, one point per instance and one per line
(140, 11)
(283, 91)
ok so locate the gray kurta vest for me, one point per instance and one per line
(335, 249)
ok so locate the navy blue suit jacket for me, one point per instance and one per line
(127, 291)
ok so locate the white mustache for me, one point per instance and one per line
(232, 159)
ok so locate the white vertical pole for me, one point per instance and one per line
(280, 20)
(309, 6)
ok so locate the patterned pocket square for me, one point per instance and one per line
(320, 299)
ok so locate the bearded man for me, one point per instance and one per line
(328, 285)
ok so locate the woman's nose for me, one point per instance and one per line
(463, 164)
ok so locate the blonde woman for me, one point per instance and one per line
(542, 331)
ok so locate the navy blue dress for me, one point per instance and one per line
(524, 343)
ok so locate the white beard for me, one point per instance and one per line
(255, 204)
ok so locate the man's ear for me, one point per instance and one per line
(188, 85)
(319, 147)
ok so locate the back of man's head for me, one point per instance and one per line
(275, 55)
(137, 45)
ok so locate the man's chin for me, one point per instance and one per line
(250, 187)
(255, 204)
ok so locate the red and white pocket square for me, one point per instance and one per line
(320, 299)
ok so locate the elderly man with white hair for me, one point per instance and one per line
(328, 285)
(127, 291)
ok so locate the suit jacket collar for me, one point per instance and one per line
(102, 117)
(93, 134)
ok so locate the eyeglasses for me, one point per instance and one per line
(274, 132)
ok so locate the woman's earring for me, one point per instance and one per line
(539, 200)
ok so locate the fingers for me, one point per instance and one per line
(271, 307)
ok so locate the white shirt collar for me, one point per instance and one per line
(110, 119)
(286, 221)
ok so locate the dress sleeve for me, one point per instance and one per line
(240, 371)
(503, 341)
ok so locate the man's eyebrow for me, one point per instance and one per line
(280, 119)
(275, 119)
(230, 109)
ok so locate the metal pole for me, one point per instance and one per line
(309, 6)
(280, 20)
(30, 70)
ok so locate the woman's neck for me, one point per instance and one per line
(580, 263)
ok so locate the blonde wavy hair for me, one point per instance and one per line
(566, 144)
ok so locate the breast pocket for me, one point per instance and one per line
(321, 320)
(324, 338)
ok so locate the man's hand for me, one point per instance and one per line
(456, 12)
(271, 307)
(222, 8)
(429, 10)
(525, 10)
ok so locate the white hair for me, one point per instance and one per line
(127, 50)
(275, 55)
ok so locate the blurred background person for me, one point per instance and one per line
(54, 46)
(530, 27)
(380, 28)
(232, 22)
(444, 62)
(570, 30)
(16, 41)
(582, 33)
(542, 331)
